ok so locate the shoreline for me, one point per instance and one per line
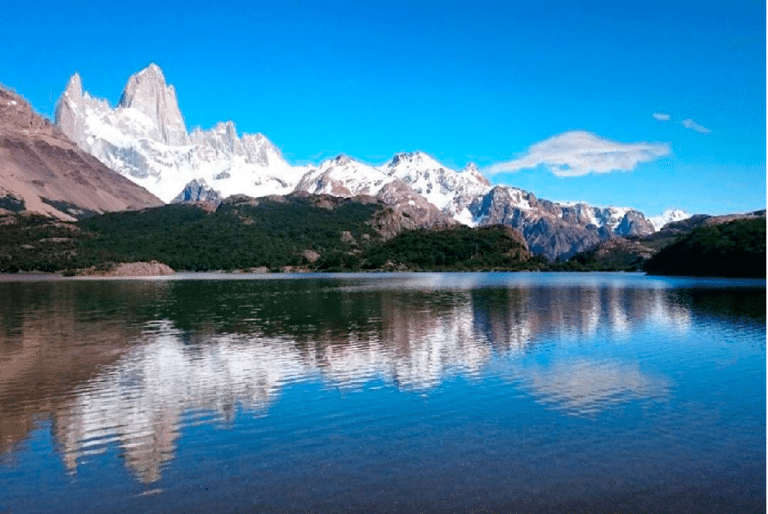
(38, 276)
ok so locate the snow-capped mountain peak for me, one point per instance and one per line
(339, 160)
(223, 142)
(471, 170)
(344, 176)
(668, 216)
(448, 190)
(413, 159)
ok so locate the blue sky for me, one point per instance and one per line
(485, 82)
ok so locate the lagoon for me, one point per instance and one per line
(428, 392)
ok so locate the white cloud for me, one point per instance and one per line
(577, 153)
(662, 116)
(690, 124)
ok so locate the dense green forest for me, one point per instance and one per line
(735, 249)
(38, 243)
(336, 234)
(294, 232)
(622, 258)
(456, 248)
(264, 233)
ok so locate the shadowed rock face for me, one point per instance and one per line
(46, 173)
(635, 223)
(407, 210)
(198, 191)
(555, 230)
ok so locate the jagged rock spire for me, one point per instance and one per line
(69, 110)
(147, 92)
(74, 86)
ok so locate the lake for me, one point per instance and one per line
(444, 392)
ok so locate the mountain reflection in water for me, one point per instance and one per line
(133, 362)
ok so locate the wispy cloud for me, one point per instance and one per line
(577, 153)
(690, 124)
(662, 116)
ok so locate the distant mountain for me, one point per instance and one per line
(552, 229)
(144, 138)
(696, 246)
(345, 177)
(685, 226)
(448, 190)
(668, 216)
(44, 172)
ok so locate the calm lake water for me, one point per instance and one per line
(498, 392)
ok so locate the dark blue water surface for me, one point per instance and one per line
(498, 392)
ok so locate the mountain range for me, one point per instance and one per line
(144, 138)
(98, 158)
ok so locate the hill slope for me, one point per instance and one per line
(44, 172)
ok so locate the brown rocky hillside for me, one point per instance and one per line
(43, 171)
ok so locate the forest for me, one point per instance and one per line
(297, 233)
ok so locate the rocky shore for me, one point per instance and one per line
(130, 269)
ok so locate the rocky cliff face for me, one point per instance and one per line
(198, 191)
(148, 93)
(407, 210)
(555, 230)
(43, 171)
(634, 223)
(69, 110)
